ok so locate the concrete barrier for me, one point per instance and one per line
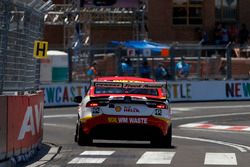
(21, 129)
(25, 115)
(3, 127)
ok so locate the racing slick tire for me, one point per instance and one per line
(163, 141)
(80, 137)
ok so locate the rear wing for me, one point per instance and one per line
(132, 85)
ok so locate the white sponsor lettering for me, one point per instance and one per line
(123, 120)
(28, 124)
(138, 120)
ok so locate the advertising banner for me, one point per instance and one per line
(25, 115)
(63, 94)
(178, 91)
(209, 90)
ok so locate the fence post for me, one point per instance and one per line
(4, 46)
(172, 62)
(70, 65)
(229, 61)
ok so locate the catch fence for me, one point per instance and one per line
(21, 24)
(208, 62)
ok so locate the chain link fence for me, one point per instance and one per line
(209, 62)
(21, 24)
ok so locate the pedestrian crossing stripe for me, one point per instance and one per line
(80, 160)
(97, 153)
(154, 157)
(220, 159)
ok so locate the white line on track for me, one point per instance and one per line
(241, 148)
(177, 109)
(209, 107)
(61, 116)
(212, 116)
(59, 125)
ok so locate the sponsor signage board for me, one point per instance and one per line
(63, 94)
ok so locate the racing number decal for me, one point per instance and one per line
(96, 110)
(158, 112)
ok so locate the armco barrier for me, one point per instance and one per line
(25, 130)
(3, 127)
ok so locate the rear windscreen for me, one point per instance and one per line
(152, 92)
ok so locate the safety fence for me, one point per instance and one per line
(21, 24)
(205, 62)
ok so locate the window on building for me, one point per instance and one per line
(187, 12)
(226, 10)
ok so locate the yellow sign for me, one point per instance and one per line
(40, 49)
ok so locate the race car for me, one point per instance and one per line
(124, 108)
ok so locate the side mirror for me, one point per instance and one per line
(78, 99)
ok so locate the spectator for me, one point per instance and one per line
(126, 67)
(182, 68)
(145, 69)
(92, 71)
(161, 73)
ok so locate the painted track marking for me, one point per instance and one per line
(156, 158)
(241, 148)
(220, 159)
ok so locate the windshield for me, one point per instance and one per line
(152, 92)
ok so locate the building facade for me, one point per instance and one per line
(166, 21)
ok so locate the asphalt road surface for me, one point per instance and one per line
(204, 134)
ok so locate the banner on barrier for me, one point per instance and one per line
(63, 94)
(25, 114)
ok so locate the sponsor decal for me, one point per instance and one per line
(127, 120)
(130, 109)
(118, 108)
(108, 84)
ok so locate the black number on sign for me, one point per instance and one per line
(158, 112)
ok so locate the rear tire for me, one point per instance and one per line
(163, 141)
(80, 137)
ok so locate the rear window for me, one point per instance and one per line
(152, 92)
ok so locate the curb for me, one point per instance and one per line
(21, 160)
(54, 150)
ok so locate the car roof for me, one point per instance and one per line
(124, 78)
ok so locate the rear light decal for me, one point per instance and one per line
(161, 106)
(92, 104)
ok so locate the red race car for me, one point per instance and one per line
(124, 108)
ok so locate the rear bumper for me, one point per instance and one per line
(125, 127)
